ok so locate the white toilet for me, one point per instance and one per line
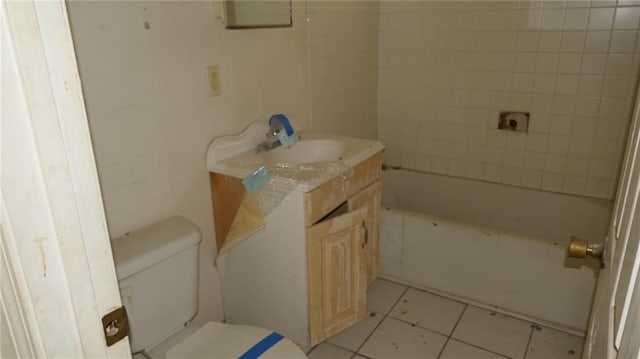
(157, 270)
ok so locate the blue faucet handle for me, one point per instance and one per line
(284, 121)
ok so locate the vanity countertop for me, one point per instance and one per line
(313, 161)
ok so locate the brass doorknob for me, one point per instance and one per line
(580, 248)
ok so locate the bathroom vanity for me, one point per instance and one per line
(303, 268)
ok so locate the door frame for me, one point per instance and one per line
(57, 272)
(602, 340)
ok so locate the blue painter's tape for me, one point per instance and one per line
(285, 122)
(262, 346)
(257, 179)
(287, 141)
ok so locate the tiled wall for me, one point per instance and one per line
(446, 69)
(343, 39)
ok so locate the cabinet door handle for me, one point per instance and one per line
(366, 234)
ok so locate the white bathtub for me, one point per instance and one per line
(493, 244)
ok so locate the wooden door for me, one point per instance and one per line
(614, 326)
(337, 274)
(371, 199)
(57, 277)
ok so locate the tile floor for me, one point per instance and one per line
(406, 322)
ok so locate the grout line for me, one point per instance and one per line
(450, 336)
(353, 354)
(533, 327)
(451, 298)
(491, 307)
(385, 315)
(482, 348)
(398, 300)
(453, 330)
(413, 324)
(369, 336)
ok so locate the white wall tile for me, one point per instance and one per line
(567, 84)
(542, 103)
(564, 105)
(531, 178)
(550, 41)
(587, 106)
(594, 63)
(561, 125)
(349, 65)
(597, 41)
(569, 63)
(566, 62)
(580, 146)
(627, 18)
(552, 182)
(619, 64)
(506, 41)
(555, 163)
(623, 41)
(576, 19)
(591, 85)
(577, 166)
(601, 19)
(574, 184)
(552, 19)
(504, 61)
(527, 41)
(512, 175)
(615, 86)
(534, 160)
(547, 63)
(537, 142)
(573, 41)
(514, 158)
(558, 144)
(544, 83)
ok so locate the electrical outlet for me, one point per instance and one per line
(514, 121)
(215, 87)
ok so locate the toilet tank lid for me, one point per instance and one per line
(147, 246)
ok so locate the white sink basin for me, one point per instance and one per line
(309, 151)
(236, 156)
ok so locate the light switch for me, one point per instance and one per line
(215, 87)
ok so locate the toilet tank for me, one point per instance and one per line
(157, 269)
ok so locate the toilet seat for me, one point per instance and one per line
(218, 340)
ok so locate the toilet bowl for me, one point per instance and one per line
(218, 340)
(157, 268)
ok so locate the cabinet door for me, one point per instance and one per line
(337, 274)
(370, 198)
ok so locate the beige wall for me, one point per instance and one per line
(143, 69)
(343, 50)
(447, 68)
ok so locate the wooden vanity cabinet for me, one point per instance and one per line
(304, 271)
(371, 199)
(342, 248)
(337, 268)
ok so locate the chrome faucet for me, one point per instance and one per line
(271, 141)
